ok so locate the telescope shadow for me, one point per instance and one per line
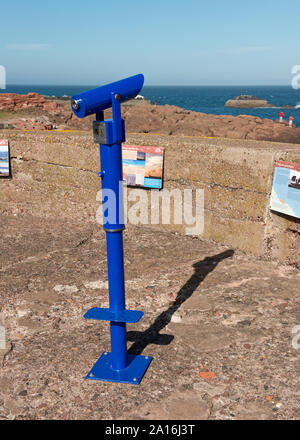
(152, 334)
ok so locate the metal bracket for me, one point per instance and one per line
(105, 132)
(100, 132)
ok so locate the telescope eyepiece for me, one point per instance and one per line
(75, 104)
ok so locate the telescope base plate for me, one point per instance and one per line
(132, 374)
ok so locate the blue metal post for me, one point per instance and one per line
(116, 298)
(111, 163)
(117, 366)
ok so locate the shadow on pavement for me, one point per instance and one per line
(152, 334)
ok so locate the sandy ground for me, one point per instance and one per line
(217, 323)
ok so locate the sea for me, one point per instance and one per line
(205, 99)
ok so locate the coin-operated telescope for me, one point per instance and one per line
(118, 365)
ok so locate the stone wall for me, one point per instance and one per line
(237, 180)
(56, 175)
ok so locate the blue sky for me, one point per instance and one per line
(172, 42)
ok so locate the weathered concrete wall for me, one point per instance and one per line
(55, 174)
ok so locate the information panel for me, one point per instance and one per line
(285, 197)
(4, 158)
(143, 166)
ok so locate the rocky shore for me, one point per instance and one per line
(33, 111)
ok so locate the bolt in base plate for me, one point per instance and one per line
(133, 373)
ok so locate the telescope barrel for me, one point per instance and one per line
(99, 99)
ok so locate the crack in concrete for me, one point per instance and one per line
(84, 240)
(22, 159)
(218, 185)
(293, 231)
(46, 254)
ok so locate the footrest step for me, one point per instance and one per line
(100, 314)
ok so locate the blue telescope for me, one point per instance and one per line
(118, 365)
(96, 100)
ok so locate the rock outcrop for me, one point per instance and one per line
(247, 101)
(176, 121)
(15, 102)
(43, 114)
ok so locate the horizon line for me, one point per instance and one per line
(154, 85)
